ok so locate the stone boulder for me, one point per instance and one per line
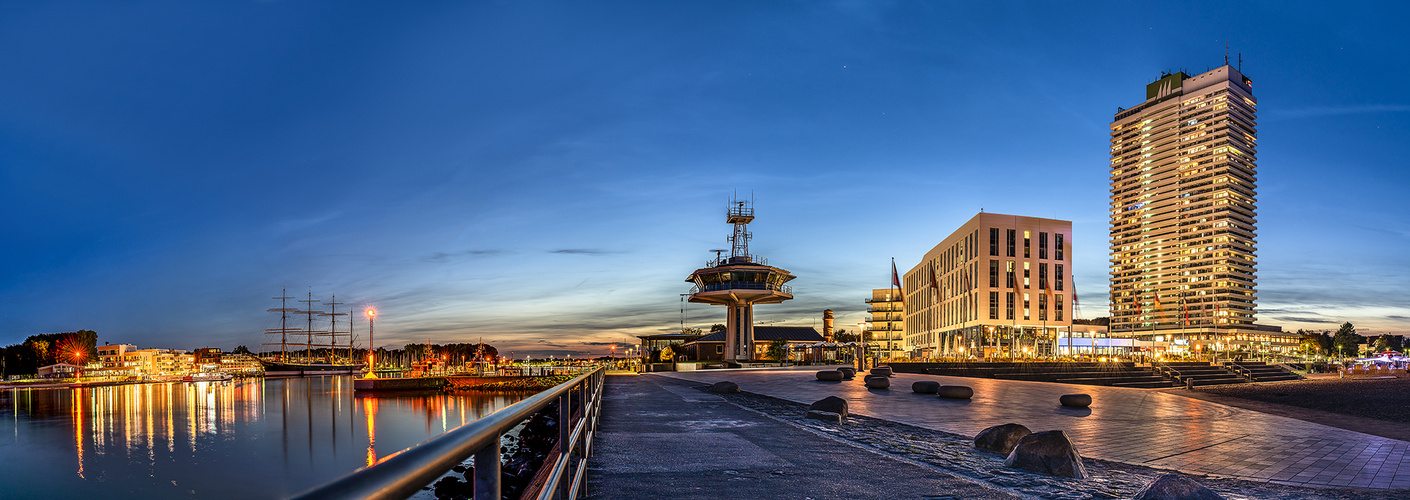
(825, 416)
(830, 376)
(725, 388)
(878, 383)
(1047, 452)
(1001, 438)
(831, 404)
(955, 392)
(1076, 400)
(1175, 487)
(882, 370)
(926, 387)
(848, 372)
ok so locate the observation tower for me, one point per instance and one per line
(739, 282)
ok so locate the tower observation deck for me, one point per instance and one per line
(738, 282)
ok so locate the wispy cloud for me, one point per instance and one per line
(1316, 111)
(1305, 319)
(582, 251)
(446, 256)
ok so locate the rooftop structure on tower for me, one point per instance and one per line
(738, 282)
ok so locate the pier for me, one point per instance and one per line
(663, 435)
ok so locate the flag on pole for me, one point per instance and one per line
(935, 283)
(896, 282)
(1186, 308)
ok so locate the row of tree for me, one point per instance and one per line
(1346, 342)
(46, 349)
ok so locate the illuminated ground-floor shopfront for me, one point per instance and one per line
(990, 342)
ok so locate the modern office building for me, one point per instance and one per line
(1184, 213)
(886, 323)
(999, 287)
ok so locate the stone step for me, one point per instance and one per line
(1113, 380)
(1275, 378)
(1056, 375)
(1220, 381)
(1145, 385)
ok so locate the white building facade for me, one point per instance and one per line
(999, 287)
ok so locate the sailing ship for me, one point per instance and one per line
(320, 354)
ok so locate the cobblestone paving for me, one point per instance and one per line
(1130, 426)
(955, 454)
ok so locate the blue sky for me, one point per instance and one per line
(544, 175)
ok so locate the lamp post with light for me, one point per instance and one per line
(371, 345)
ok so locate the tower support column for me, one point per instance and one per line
(739, 332)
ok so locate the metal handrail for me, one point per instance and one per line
(404, 473)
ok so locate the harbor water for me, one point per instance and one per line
(250, 438)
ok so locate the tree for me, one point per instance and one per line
(239, 349)
(692, 331)
(776, 350)
(1346, 342)
(1308, 342)
(717, 328)
(842, 336)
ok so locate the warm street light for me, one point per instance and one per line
(371, 346)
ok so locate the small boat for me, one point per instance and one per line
(206, 377)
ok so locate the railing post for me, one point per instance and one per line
(487, 471)
(565, 428)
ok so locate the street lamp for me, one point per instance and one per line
(371, 345)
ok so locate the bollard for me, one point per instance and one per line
(1189, 384)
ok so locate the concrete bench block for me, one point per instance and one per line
(848, 372)
(926, 387)
(882, 370)
(1076, 400)
(955, 392)
(878, 383)
(830, 376)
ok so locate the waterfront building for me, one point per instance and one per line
(739, 282)
(60, 370)
(998, 287)
(887, 323)
(712, 347)
(240, 364)
(1183, 214)
(126, 360)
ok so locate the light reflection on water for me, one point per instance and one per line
(238, 439)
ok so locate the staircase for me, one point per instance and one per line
(1201, 372)
(1116, 374)
(1258, 371)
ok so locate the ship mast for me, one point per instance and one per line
(333, 332)
(283, 329)
(308, 333)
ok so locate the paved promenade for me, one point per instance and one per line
(660, 438)
(1134, 426)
